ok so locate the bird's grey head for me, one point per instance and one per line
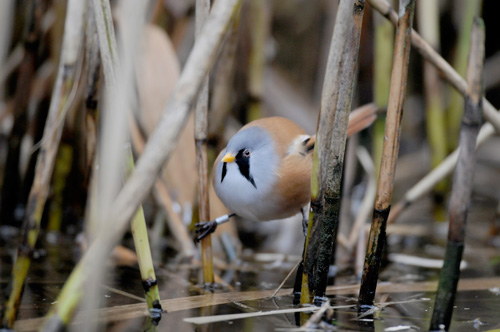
(251, 149)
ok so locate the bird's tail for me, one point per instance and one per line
(359, 119)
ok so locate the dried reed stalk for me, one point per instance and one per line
(64, 88)
(329, 150)
(390, 151)
(200, 139)
(462, 181)
(428, 22)
(141, 242)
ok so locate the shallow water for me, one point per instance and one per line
(475, 310)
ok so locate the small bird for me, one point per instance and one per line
(264, 173)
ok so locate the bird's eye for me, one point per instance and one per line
(246, 153)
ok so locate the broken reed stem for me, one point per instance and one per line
(382, 63)
(200, 138)
(260, 20)
(329, 150)
(143, 250)
(376, 241)
(428, 22)
(462, 181)
(468, 10)
(446, 71)
(65, 86)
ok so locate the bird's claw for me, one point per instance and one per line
(203, 229)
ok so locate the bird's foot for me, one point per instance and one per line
(204, 228)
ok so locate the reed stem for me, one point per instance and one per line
(141, 241)
(462, 182)
(200, 138)
(390, 151)
(329, 150)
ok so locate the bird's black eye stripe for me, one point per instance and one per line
(224, 171)
(243, 162)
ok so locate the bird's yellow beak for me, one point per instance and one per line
(228, 158)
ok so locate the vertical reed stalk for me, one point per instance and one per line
(64, 88)
(428, 21)
(390, 150)
(462, 182)
(141, 242)
(260, 14)
(469, 10)
(382, 64)
(329, 150)
(200, 138)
